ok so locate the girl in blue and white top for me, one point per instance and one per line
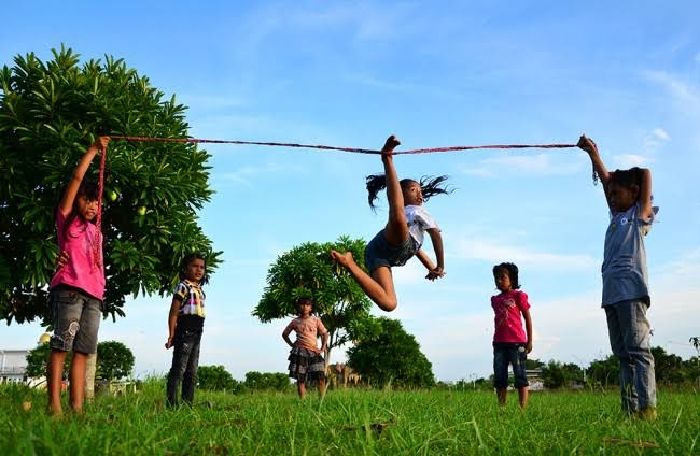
(625, 286)
(402, 237)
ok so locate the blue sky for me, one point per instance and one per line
(439, 73)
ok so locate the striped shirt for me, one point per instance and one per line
(191, 298)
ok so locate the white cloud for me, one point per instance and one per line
(660, 134)
(540, 164)
(624, 161)
(245, 174)
(492, 251)
(686, 96)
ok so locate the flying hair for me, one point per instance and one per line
(430, 186)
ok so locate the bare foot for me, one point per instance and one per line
(343, 259)
(389, 145)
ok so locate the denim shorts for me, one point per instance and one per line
(503, 354)
(76, 319)
(380, 253)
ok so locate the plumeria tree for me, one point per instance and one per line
(50, 111)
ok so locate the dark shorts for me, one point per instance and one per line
(509, 353)
(380, 253)
(76, 319)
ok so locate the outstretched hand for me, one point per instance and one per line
(587, 144)
(391, 142)
(435, 273)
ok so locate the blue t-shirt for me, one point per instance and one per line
(624, 257)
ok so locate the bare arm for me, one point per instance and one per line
(439, 270)
(591, 149)
(172, 320)
(528, 328)
(425, 260)
(285, 335)
(324, 342)
(66, 203)
(645, 195)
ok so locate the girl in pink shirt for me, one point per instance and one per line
(77, 286)
(306, 365)
(511, 343)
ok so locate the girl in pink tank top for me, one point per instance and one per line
(77, 286)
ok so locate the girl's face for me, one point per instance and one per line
(304, 309)
(622, 198)
(195, 270)
(86, 209)
(412, 194)
(502, 280)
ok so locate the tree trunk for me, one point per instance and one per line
(90, 370)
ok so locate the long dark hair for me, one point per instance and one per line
(430, 186)
(89, 190)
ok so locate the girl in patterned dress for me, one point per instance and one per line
(306, 365)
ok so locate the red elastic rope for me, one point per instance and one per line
(356, 150)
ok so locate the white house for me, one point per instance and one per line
(13, 366)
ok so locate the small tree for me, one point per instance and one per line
(215, 378)
(393, 355)
(114, 360)
(308, 271)
(277, 381)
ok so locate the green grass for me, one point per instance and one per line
(349, 422)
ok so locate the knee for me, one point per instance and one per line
(387, 305)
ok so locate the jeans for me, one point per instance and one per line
(184, 366)
(628, 328)
(76, 319)
(503, 354)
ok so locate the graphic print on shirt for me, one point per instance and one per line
(502, 311)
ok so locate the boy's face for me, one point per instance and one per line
(621, 198)
(502, 280)
(195, 270)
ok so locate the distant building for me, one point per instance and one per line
(13, 366)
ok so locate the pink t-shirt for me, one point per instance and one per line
(307, 329)
(507, 308)
(83, 243)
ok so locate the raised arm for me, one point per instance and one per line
(591, 149)
(645, 195)
(66, 204)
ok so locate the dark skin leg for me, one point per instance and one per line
(379, 287)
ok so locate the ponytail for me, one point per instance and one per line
(430, 186)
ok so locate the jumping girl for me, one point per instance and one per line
(306, 365)
(402, 237)
(77, 287)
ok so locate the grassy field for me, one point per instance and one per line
(349, 422)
